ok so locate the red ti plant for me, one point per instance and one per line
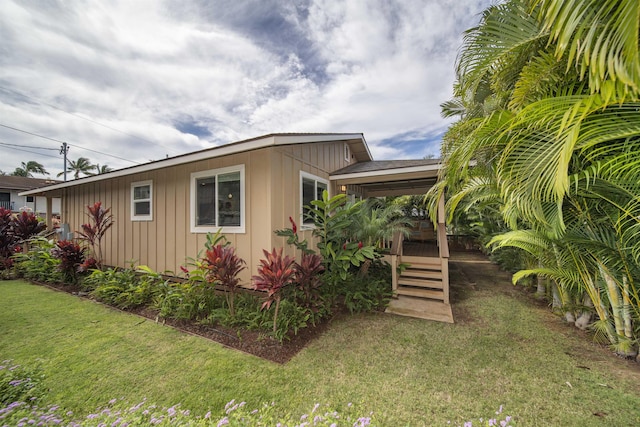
(93, 232)
(25, 225)
(71, 257)
(308, 277)
(275, 272)
(223, 267)
(7, 242)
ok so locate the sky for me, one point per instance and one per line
(131, 81)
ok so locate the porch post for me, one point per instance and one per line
(49, 214)
(443, 248)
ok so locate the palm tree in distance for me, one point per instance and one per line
(29, 168)
(80, 166)
(99, 170)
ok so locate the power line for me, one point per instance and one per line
(85, 118)
(30, 133)
(11, 147)
(35, 148)
(99, 152)
(71, 145)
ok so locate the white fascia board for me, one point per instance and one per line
(385, 172)
(210, 153)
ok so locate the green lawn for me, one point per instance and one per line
(408, 371)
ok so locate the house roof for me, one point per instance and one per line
(356, 141)
(378, 166)
(389, 177)
(21, 183)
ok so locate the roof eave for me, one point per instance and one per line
(385, 172)
(220, 151)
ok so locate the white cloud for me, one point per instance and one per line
(230, 70)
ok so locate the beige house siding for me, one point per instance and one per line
(272, 194)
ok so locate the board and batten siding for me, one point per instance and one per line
(272, 195)
(317, 159)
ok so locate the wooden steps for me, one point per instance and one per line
(422, 278)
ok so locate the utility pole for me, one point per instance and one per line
(64, 150)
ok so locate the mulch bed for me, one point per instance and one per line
(257, 343)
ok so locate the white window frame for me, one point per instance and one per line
(193, 202)
(347, 152)
(135, 217)
(316, 180)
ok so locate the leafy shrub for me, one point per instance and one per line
(123, 288)
(371, 293)
(38, 263)
(292, 318)
(7, 242)
(15, 229)
(19, 384)
(71, 257)
(192, 300)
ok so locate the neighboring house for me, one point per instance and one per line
(10, 198)
(248, 189)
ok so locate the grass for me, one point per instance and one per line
(408, 371)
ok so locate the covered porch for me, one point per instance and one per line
(421, 284)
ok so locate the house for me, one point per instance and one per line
(164, 209)
(10, 198)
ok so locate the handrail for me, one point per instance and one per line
(396, 243)
(443, 244)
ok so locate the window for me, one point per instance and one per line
(311, 188)
(29, 199)
(217, 200)
(5, 200)
(141, 198)
(347, 152)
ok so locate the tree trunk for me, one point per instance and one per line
(584, 319)
(541, 289)
(613, 294)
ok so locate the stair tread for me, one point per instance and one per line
(420, 260)
(423, 293)
(421, 283)
(422, 274)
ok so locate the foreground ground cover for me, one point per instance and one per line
(407, 371)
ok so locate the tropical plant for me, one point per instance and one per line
(275, 272)
(29, 168)
(38, 263)
(7, 242)
(308, 279)
(379, 220)
(333, 219)
(71, 257)
(81, 166)
(547, 96)
(100, 169)
(25, 225)
(223, 267)
(14, 231)
(93, 232)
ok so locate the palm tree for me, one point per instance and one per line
(80, 166)
(548, 94)
(29, 168)
(103, 169)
